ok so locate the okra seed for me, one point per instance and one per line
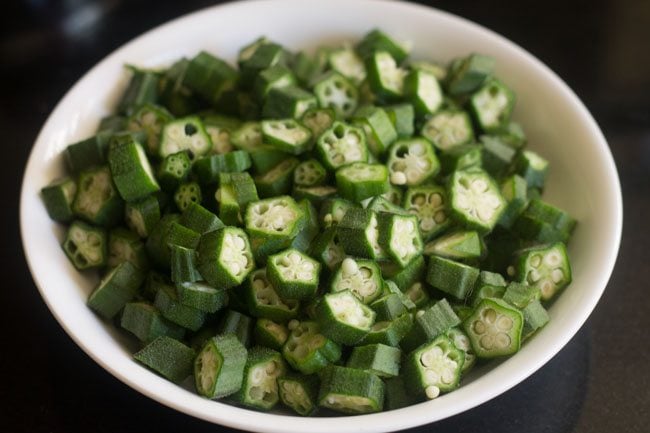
(432, 392)
(557, 275)
(487, 341)
(349, 267)
(420, 313)
(479, 327)
(536, 260)
(552, 259)
(503, 340)
(440, 217)
(398, 178)
(479, 186)
(504, 323)
(490, 315)
(431, 376)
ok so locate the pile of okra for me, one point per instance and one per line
(349, 229)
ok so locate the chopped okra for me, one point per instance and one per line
(296, 221)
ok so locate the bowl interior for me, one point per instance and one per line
(582, 180)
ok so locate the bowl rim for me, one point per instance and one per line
(410, 416)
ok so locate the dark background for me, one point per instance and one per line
(598, 383)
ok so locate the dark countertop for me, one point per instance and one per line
(600, 382)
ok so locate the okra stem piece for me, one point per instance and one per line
(494, 329)
(219, 366)
(349, 390)
(168, 357)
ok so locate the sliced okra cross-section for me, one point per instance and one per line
(97, 200)
(86, 246)
(124, 245)
(259, 388)
(492, 105)
(219, 366)
(361, 277)
(225, 257)
(173, 170)
(287, 135)
(412, 162)
(380, 359)
(187, 193)
(274, 218)
(448, 129)
(294, 275)
(342, 317)
(475, 199)
(168, 357)
(385, 77)
(347, 63)
(318, 120)
(359, 180)
(350, 390)
(327, 248)
(494, 328)
(376, 40)
(309, 173)
(341, 144)
(115, 289)
(185, 134)
(58, 197)
(400, 238)
(307, 349)
(333, 210)
(299, 393)
(429, 203)
(546, 267)
(270, 334)
(335, 91)
(150, 119)
(263, 299)
(461, 341)
(421, 88)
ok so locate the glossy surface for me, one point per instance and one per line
(70, 348)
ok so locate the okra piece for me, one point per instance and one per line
(235, 192)
(421, 88)
(199, 219)
(168, 357)
(347, 63)
(532, 167)
(186, 194)
(130, 168)
(219, 366)
(152, 283)
(520, 295)
(58, 197)
(417, 294)
(142, 216)
(343, 318)
(461, 341)
(403, 118)
(385, 77)
(149, 118)
(86, 246)
(183, 265)
(390, 288)
(335, 91)
(396, 396)
(380, 204)
(241, 325)
(307, 349)
(263, 300)
(270, 334)
(412, 162)
(173, 170)
(492, 106)
(145, 322)
(379, 359)
(169, 231)
(470, 74)
(341, 144)
(491, 278)
(376, 40)
(87, 154)
(115, 289)
(394, 195)
(294, 275)
(271, 77)
(287, 102)
(124, 245)
(327, 249)
(459, 245)
(404, 277)
(318, 120)
(360, 180)
(97, 200)
(546, 267)
(248, 136)
(433, 368)
(483, 291)
(388, 307)
(514, 190)
(390, 332)
(170, 306)
(378, 127)
(142, 89)
(286, 135)
(112, 123)
(201, 296)
(278, 218)
(448, 129)
(434, 68)
(310, 228)
(315, 194)
(188, 134)
(400, 237)
(209, 167)
(475, 199)
(430, 323)
(359, 234)
(461, 157)
(309, 173)
(264, 56)
(174, 95)
(451, 277)
(277, 180)
(535, 317)
(220, 129)
(361, 277)
(210, 77)
(544, 223)
(259, 388)
(299, 393)
(225, 257)
(494, 329)
(497, 157)
(429, 204)
(350, 390)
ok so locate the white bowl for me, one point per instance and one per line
(582, 179)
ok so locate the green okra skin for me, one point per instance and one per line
(462, 311)
(544, 223)
(403, 118)
(361, 277)
(58, 197)
(430, 204)
(360, 180)
(287, 135)
(307, 350)
(381, 204)
(271, 77)
(173, 170)
(306, 67)
(483, 291)
(520, 295)
(145, 322)
(377, 40)
(310, 230)
(264, 56)
(422, 89)
(385, 77)
(149, 118)
(263, 248)
(209, 77)
(451, 277)
(152, 283)
(515, 190)
(187, 133)
(287, 102)
(492, 106)
(458, 245)
(399, 237)
(130, 168)
(433, 368)
(332, 212)
(201, 296)
(429, 324)
(187, 193)
(315, 194)
(327, 249)
(87, 154)
(417, 294)
(494, 328)
(115, 289)
(318, 120)
(124, 245)
(390, 332)
(335, 91)
(309, 173)
(172, 309)
(225, 257)
(396, 395)
(535, 318)
(183, 265)
(169, 231)
(142, 89)
(359, 235)
(475, 199)
(142, 216)
(462, 343)
(404, 277)
(491, 278)
(380, 359)
(168, 357)
(209, 167)
(350, 390)
(97, 199)
(270, 334)
(112, 123)
(390, 288)
(378, 127)
(546, 267)
(497, 157)
(264, 157)
(174, 95)
(343, 318)
(461, 157)
(513, 135)
(199, 219)
(86, 246)
(263, 300)
(220, 129)
(278, 179)
(219, 366)
(259, 388)
(532, 167)
(412, 162)
(470, 74)
(277, 218)
(388, 307)
(294, 275)
(235, 191)
(241, 325)
(299, 392)
(448, 129)
(341, 144)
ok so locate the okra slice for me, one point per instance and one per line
(201, 296)
(219, 366)
(491, 278)
(149, 118)
(58, 197)
(403, 118)
(327, 249)
(400, 237)
(183, 265)
(433, 368)
(97, 199)
(225, 257)
(248, 136)
(318, 120)
(234, 322)
(404, 277)
(380, 204)
(520, 295)
(475, 199)
(461, 341)
(396, 394)
(173, 170)
(115, 289)
(388, 307)
(112, 123)
(287, 135)
(263, 299)
(315, 194)
(361, 277)
(341, 144)
(307, 349)
(287, 102)
(350, 390)
(535, 318)
(169, 231)
(335, 91)
(274, 76)
(378, 40)
(378, 127)
(451, 277)
(187, 133)
(390, 288)
(417, 294)
(220, 129)
(459, 245)
(175, 95)
(87, 154)
(209, 77)
(309, 173)
(434, 68)
(278, 180)
(343, 318)
(470, 74)
(294, 275)
(379, 359)
(532, 167)
(546, 267)
(168, 357)
(142, 89)
(483, 291)
(514, 191)
(494, 329)
(389, 332)
(197, 218)
(235, 192)
(86, 246)
(274, 218)
(421, 88)
(299, 393)
(497, 157)
(265, 157)
(543, 222)
(145, 322)
(360, 180)
(448, 129)
(142, 216)
(209, 167)
(429, 324)
(412, 162)
(124, 245)
(186, 194)
(264, 56)
(359, 234)
(492, 105)
(168, 302)
(461, 157)
(430, 205)
(385, 77)
(259, 388)
(394, 195)
(310, 229)
(347, 63)
(270, 334)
